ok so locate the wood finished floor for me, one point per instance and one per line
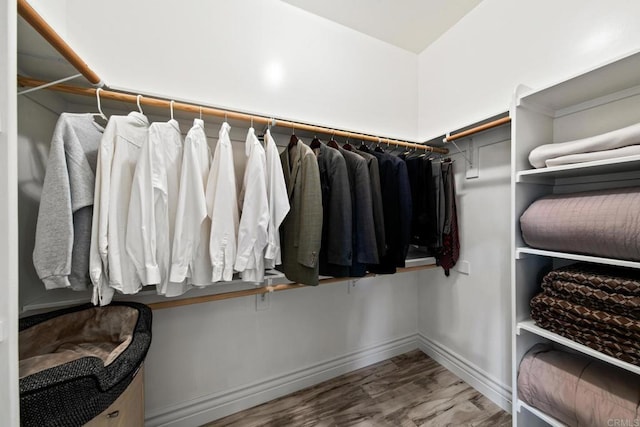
(408, 390)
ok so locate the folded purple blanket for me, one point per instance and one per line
(603, 223)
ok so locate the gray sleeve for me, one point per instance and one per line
(378, 211)
(339, 245)
(367, 252)
(54, 230)
(440, 205)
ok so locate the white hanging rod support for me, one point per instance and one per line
(480, 128)
(36, 21)
(46, 85)
(226, 114)
(461, 152)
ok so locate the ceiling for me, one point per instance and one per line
(409, 24)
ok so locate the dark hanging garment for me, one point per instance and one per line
(363, 231)
(376, 200)
(300, 232)
(450, 252)
(423, 221)
(431, 232)
(337, 246)
(438, 188)
(396, 198)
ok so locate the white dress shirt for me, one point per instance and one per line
(110, 267)
(191, 259)
(278, 201)
(153, 205)
(254, 220)
(222, 205)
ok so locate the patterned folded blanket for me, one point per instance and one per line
(607, 278)
(596, 320)
(609, 344)
(612, 334)
(625, 305)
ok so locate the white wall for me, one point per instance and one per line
(467, 75)
(261, 56)
(470, 72)
(9, 414)
(465, 319)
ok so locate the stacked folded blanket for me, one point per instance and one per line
(576, 390)
(597, 306)
(603, 223)
(615, 144)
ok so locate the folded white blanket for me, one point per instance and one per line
(629, 135)
(631, 150)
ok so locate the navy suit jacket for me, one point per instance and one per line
(396, 197)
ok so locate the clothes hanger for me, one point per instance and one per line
(267, 128)
(332, 142)
(138, 102)
(364, 147)
(315, 143)
(171, 108)
(293, 141)
(347, 146)
(378, 149)
(99, 113)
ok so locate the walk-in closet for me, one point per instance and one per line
(305, 213)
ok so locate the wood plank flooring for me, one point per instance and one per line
(409, 390)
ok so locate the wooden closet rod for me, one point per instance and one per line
(480, 128)
(226, 114)
(32, 17)
(265, 289)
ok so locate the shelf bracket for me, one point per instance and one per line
(473, 152)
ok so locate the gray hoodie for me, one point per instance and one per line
(63, 231)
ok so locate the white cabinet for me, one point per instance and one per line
(598, 101)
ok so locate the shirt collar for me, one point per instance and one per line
(139, 117)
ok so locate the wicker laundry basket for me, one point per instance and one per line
(75, 362)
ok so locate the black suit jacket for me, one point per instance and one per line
(376, 199)
(423, 194)
(365, 250)
(396, 197)
(336, 248)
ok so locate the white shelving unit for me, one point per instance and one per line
(597, 101)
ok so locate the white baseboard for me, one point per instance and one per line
(477, 378)
(208, 408)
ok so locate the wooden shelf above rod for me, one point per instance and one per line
(266, 289)
(226, 114)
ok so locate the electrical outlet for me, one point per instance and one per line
(263, 301)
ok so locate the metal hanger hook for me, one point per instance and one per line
(171, 107)
(201, 112)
